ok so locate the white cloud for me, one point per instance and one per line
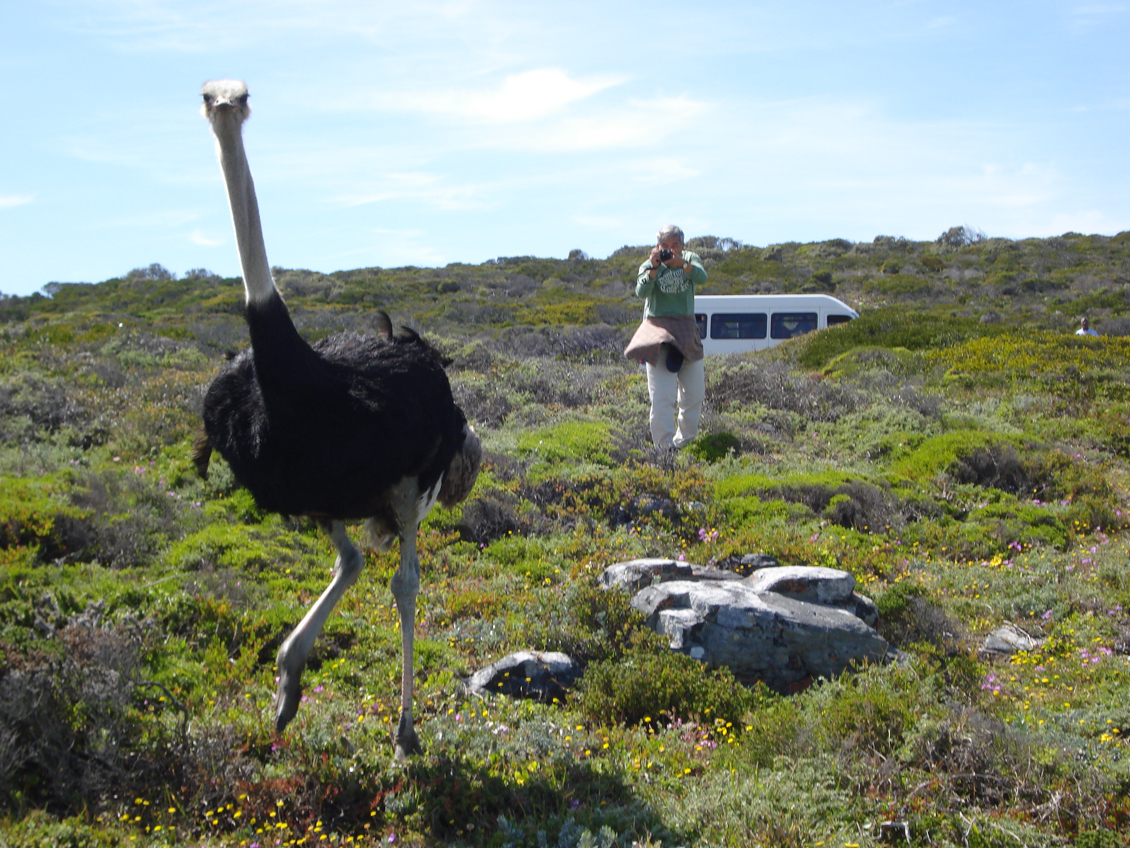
(172, 26)
(432, 189)
(637, 123)
(520, 97)
(401, 247)
(598, 222)
(198, 237)
(1090, 14)
(161, 219)
(661, 171)
(8, 201)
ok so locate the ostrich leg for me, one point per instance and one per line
(405, 587)
(292, 655)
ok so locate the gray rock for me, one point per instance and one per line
(779, 640)
(527, 674)
(783, 626)
(813, 584)
(827, 586)
(1007, 640)
(636, 574)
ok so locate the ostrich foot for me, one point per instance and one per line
(287, 697)
(406, 741)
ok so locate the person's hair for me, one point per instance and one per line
(669, 231)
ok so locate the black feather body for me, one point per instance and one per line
(326, 430)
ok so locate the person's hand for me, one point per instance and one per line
(654, 258)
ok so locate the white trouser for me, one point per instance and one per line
(680, 392)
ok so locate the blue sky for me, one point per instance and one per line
(426, 132)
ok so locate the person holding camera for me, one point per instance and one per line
(667, 339)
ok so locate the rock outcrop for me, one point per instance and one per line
(783, 626)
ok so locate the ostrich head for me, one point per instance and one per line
(225, 101)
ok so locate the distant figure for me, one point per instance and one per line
(668, 339)
(1085, 329)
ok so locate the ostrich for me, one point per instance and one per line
(350, 428)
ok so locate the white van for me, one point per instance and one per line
(736, 323)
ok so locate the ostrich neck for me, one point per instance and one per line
(279, 352)
(258, 287)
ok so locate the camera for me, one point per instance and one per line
(665, 255)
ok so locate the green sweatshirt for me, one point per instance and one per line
(672, 291)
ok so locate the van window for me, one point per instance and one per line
(737, 325)
(700, 319)
(834, 320)
(785, 325)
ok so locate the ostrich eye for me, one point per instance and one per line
(243, 99)
(207, 99)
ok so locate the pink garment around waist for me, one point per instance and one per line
(680, 331)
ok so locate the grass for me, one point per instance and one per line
(968, 474)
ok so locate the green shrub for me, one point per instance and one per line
(239, 547)
(750, 510)
(42, 830)
(585, 621)
(894, 328)
(569, 440)
(1098, 839)
(711, 447)
(869, 711)
(654, 684)
(908, 617)
(741, 383)
(939, 453)
(523, 557)
(31, 511)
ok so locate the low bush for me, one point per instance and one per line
(67, 730)
(908, 617)
(33, 513)
(484, 406)
(574, 441)
(654, 685)
(713, 446)
(965, 473)
(773, 385)
(583, 620)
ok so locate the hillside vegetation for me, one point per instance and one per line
(957, 449)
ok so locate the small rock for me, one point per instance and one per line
(527, 674)
(1008, 640)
